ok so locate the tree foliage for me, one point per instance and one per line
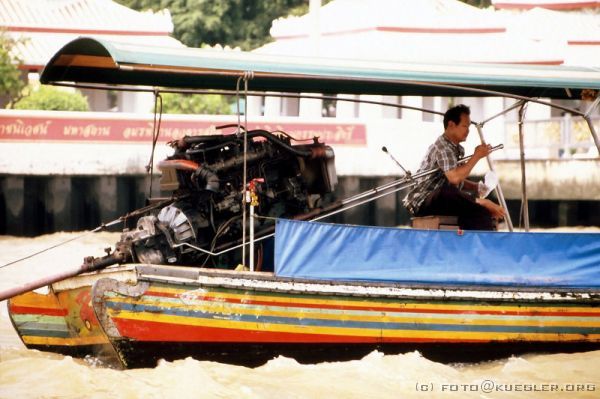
(236, 23)
(53, 99)
(11, 83)
(175, 103)
(478, 3)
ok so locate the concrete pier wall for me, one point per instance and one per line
(559, 180)
(33, 205)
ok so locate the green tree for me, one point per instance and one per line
(53, 99)
(478, 3)
(11, 83)
(175, 103)
(236, 23)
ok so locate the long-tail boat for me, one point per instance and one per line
(176, 284)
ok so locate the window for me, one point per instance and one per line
(392, 112)
(329, 108)
(290, 106)
(428, 103)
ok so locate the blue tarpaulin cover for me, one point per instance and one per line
(342, 252)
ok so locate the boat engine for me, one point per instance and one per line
(205, 177)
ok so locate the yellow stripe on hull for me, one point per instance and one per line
(341, 315)
(70, 341)
(370, 303)
(353, 332)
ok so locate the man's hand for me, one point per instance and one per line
(494, 209)
(459, 174)
(482, 151)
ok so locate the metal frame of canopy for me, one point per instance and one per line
(100, 64)
(121, 63)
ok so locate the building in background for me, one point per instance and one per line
(88, 168)
(563, 5)
(42, 27)
(446, 31)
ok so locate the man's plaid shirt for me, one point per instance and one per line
(441, 154)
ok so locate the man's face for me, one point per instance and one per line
(461, 131)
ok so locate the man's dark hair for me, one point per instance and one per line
(453, 114)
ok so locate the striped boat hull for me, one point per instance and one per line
(341, 319)
(247, 318)
(208, 309)
(63, 320)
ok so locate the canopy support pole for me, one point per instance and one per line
(593, 131)
(505, 111)
(251, 237)
(588, 119)
(524, 204)
(498, 189)
(245, 78)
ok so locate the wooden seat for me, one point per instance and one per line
(435, 222)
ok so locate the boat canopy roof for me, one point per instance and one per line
(99, 61)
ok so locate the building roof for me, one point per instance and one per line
(442, 30)
(44, 26)
(543, 24)
(339, 17)
(548, 4)
(81, 16)
(574, 35)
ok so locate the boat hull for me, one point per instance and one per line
(144, 354)
(248, 318)
(134, 316)
(63, 319)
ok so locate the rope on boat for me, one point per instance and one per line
(158, 107)
(97, 229)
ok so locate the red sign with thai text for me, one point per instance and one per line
(48, 128)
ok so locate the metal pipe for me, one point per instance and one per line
(384, 149)
(592, 106)
(373, 198)
(588, 119)
(245, 77)
(348, 203)
(251, 237)
(590, 123)
(89, 265)
(404, 179)
(251, 134)
(250, 93)
(499, 192)
(294, 95)
(515, 105)
(524, 204)
(319, 217)
(521, 99)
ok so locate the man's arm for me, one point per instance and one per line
(494, 209)
(469, 185)
(460, 173)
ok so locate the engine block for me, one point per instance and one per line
(205, 176)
